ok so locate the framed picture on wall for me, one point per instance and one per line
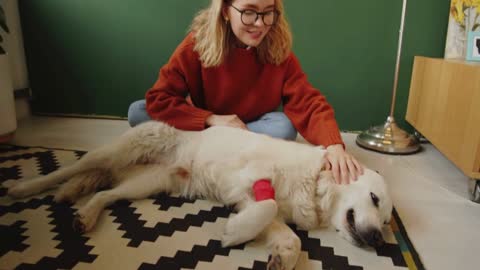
(473, 46)
(464, 17)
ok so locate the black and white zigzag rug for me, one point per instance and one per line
(162, 232)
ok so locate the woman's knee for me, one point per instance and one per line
(137, 113)
(286, 130)
(280, 126)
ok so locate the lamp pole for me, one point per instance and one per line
(389, 138)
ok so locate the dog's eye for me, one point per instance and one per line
(374, 199)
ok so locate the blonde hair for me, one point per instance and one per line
(213, 36)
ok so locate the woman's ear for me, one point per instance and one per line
(224, 12)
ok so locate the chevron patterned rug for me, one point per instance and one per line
(162, 232)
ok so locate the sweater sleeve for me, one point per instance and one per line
(166, 99)
(308, 109)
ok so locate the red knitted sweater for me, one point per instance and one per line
(243, 86)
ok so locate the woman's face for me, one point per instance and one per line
(250, 32)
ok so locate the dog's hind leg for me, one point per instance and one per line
(92, 160)
(139, 183)
(252, 219)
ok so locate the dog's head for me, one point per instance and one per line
(358, 211)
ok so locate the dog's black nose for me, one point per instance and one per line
(374, 238)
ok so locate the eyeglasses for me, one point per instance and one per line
(249, 16)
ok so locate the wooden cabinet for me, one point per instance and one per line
(444, 106)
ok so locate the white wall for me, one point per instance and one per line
(13, 44)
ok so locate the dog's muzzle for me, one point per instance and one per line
(373, 238)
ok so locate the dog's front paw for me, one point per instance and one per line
(285, 254)
(231, 238)
(275, 263)
(236, 233)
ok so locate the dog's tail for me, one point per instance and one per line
(144, 144)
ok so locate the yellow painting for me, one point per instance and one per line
(464, 17)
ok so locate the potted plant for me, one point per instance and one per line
(8, 121)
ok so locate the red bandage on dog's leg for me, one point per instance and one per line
(263, 190)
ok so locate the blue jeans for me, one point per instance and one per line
(275, 124)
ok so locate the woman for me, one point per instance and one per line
(234, 68)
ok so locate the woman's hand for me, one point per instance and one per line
(226, 120)
(344, 166)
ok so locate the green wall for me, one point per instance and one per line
(96, 57)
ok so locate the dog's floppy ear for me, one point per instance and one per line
(326, 191)
(325, 165)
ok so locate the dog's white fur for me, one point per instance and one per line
(221, 164)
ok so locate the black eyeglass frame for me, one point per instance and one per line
(276, 15)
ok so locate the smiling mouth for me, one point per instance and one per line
(352, 230)
(255, 34)
(358, 240)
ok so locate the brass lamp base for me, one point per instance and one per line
(388, 139)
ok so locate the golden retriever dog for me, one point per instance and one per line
(222, 164)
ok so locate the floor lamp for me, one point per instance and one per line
(389, 138)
